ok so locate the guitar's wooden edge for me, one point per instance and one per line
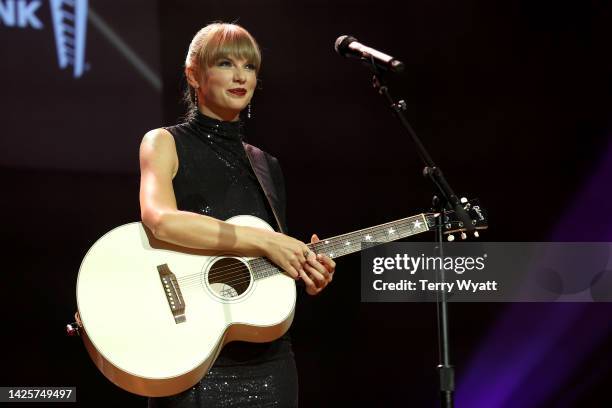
(258, 334)
(150, 387)
(146, 387)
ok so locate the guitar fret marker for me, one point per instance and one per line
(387, 232)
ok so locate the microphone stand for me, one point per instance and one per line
(445, 198)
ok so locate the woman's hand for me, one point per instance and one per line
(318, 271)
(286, 252)
(299, 262)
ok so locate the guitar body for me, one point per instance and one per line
(157, 339)
(154, 316)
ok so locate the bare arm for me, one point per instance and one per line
(158, 165)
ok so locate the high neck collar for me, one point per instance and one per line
(220, 128)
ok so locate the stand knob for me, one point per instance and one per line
(450, 238)
(72, 329)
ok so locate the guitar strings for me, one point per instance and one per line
(237, 279)
(228, 270)
(270, 267)
(264, 265)
(316, 244)
(257, 262)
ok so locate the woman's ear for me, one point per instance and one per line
(192, 78)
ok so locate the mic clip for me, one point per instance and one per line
(399, 106)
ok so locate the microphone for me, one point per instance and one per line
(348, 46)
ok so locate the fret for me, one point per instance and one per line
(262, 268)
(351, 242)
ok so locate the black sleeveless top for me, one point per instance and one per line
(215, 178)
(220, 176)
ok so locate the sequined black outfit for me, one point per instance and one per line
(216, 178)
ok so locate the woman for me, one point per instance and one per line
(199, 173)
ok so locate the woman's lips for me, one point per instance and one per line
(238, 91)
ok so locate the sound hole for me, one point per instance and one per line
(229, 277)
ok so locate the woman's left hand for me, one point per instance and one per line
(318, 270)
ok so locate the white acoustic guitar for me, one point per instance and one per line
(154, 316)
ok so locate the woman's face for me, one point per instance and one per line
(227, 87)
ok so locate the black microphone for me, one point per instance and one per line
(348, 46)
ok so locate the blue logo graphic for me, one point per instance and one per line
(69, 25)
(21, 16)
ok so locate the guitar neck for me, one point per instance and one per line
(356, 241)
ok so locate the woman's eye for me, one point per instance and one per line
(224, 63)
(252, 67)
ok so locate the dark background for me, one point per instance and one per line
(511, 98)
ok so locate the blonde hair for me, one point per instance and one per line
(217, 41)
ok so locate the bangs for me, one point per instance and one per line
(230, 41)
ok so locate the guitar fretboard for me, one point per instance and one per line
(356, 241)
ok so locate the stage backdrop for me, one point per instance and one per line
(80, 83)
(512, 99)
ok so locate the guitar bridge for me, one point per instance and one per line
(173, 293)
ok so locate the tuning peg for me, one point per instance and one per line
(476, 234)
(464, 200)
(450, 238)
(463, 235)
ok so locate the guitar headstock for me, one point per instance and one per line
(452, 223)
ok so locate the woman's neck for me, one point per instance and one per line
(220, 114)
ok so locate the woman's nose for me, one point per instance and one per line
(240, 76)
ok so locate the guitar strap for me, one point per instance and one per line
(270, 176)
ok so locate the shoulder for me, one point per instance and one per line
(158, 149)
(158, 140)
(158, 136)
